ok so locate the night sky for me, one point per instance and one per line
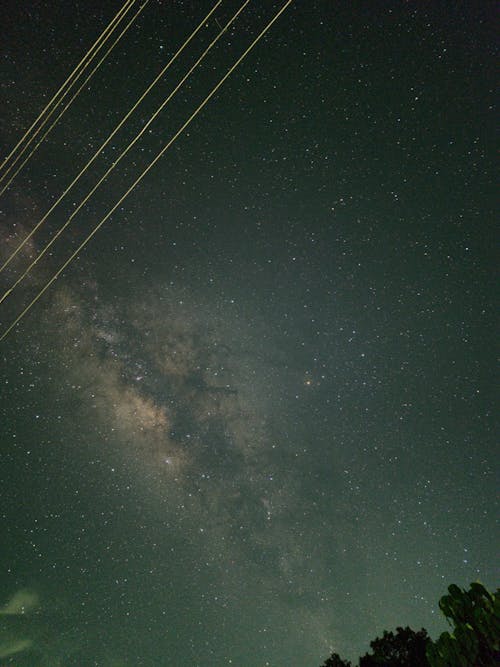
(253, 422)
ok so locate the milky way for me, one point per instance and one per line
(183, 399)
(252, 422)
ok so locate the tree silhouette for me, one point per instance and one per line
(475, 640)
(406, 648)
(336, 661)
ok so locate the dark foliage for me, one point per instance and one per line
(474, 642)
(406, 648)
(336, 661)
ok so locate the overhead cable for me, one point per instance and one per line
(146, 170)
(106, 142)
(7, 177)
(124, 152)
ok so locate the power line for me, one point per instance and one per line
(106, 142)
(68, 104)
(147, 169)
(124, 152)
(61, 93)
(64, 88)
